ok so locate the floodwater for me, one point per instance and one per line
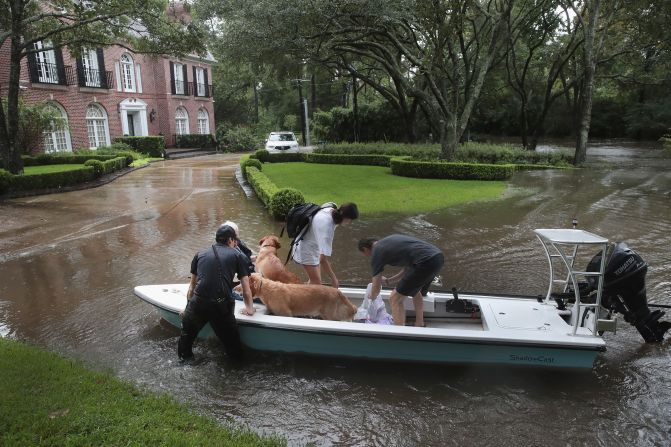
(69, 262)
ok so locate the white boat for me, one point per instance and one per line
(475, 328)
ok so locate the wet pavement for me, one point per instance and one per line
(68, 263)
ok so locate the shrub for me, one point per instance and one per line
(5, 180)
(97, 166)
(236, 139)
(63, 158)
(262, 155)
(283, 200)
(456, 171)
(375, 122)
(283, 157)
(262, 185)
(250, 162)
(194, 141)
(152, 146)
(52, 179)
(347, 159)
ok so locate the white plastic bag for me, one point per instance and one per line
(362, 312)
(375, 308)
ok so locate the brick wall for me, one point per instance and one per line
(156, 93)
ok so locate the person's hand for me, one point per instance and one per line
(248, 312)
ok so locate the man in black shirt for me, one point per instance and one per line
(209, 296)
(421, 262)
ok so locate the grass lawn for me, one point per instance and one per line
(375, 190)
(50, 400)
(32, 170)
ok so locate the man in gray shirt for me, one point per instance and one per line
(420, 261)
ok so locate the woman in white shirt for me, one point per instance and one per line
(314, 250)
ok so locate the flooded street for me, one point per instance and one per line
(69, 262)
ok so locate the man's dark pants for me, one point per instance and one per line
(220, 315)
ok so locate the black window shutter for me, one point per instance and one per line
(186, 84)
(207, 87)
(60, 66)
(32, 67)
(81, 76)
(104, 82)
(172, 77)
(195, 82)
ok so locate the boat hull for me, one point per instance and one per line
(461, 342)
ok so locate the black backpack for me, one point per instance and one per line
(298, 222)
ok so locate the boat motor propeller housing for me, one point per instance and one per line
(624, 290)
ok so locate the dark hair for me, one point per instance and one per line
(346, 211)
(224, 234)
(366, 243)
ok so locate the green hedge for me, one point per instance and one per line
(244, 164)
(105, 167)
(52, 179)
(470, 152)
(5, 180)
(456, 171)
(152, 146)
(283, 200)
(195, 141)
(347, 159)
(262, 185)
(58, 159)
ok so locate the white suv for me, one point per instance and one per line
(281, 142)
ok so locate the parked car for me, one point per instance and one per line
(278, 142)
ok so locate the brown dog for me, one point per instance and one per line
(269, 265)
(309, 300)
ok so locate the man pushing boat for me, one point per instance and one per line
(420, 261)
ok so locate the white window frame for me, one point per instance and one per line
(180, 82)
(127, 67)
(47, 71)
(181, 121)
(203, 122)
(57, 138)
(200, 81)
(91, 67)
(97, 127)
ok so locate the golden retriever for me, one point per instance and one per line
(308, 300)
(269, 265)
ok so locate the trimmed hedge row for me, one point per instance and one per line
(247, 162)
(278, 201)
(456, 171)
(346, 159)
(55, 159)
(52, 179)
(152, 146)
(91, 170)
(266, 157)
(105, 167)
(195, 140)
(262, 185)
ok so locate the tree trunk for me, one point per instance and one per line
(449, 139)
(588, 90)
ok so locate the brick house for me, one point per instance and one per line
(112, 92)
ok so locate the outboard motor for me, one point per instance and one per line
(624, 290)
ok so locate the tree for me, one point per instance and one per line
(141, 25)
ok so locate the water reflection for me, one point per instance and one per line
(69, 261)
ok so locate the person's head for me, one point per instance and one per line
(226, 235)
(366, 245)
(233, 225)
(345, 214)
